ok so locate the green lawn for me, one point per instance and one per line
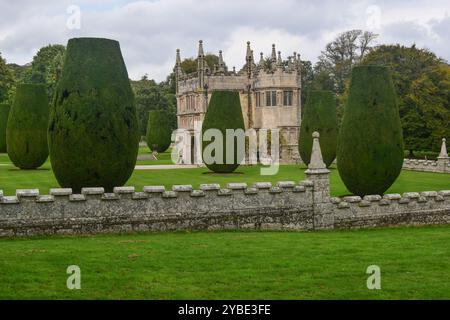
(163, 158)
(12, 178)
(414, 262)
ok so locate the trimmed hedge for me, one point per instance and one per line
(26, 132)
(224, 112)
(370, 143)
(93, 130)
(4, 112)
(319, 115)
(159, 132)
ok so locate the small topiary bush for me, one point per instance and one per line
(93, 130)
(224, 112)
(26, 132)
(370, 143)
(158, 131)
(319, 115)
(4, 112)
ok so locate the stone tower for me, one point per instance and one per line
(269, 91)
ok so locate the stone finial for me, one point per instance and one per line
(200, 48)
(443, 154)
(274, 53)
(261, 61)
(178, 59)
(316, 164)
(279, 60)
(221, 63)
(248, 54)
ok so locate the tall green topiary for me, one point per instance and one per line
(4, 112)
(26, 132)
(158, 131)
(319, 115)
(370, 143)
(93, 130)
(224, 112)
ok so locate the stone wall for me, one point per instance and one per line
(441, 165)
(288, 205)
(411, 208)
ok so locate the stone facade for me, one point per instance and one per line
(288, 205)
(441, 165)
(269, 94)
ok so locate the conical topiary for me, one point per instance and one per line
(319, 115)
(93, 130)
(158, 131)
(370, 143)
(4, 112)
(224, 112)
(26, 132)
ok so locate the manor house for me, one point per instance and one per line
(269, 92)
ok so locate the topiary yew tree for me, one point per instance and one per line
(93, 130)
(4, 112)
(224, 112)
(370, 143)
(26, 133)
(158, 131)
(319, 115)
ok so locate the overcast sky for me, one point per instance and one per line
(150, 31)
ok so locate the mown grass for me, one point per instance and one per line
(414, 262)
(228, 265)
(163, 157)
(12, 178)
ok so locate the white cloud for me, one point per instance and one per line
(234, 46)
(150, 31)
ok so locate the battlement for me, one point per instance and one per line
(285, 205)
(153, 192)
(271, 72)
(411, 208)
(408, 199)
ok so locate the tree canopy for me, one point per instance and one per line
(335, 63)
(422, 83)
(6, 81)
(151, 96)
(46, 67)
(189, 65)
